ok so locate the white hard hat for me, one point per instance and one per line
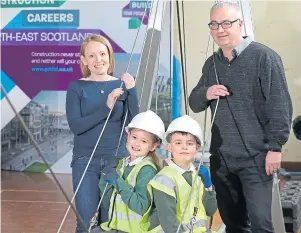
(185, 124)
(148, 121)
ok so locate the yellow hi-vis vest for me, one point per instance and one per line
(171, 182)
(122, 217)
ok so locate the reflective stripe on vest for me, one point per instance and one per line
(123, 218)
(200, 223)
(170, 181)
(127, 217)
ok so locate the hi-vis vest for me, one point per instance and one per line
(120, 216)
(171, 182)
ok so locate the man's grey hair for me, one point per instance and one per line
(228, 4)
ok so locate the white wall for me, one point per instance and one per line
(276, 24)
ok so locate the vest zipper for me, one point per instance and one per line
(115, 195)
(111, 217)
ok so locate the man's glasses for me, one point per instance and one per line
(225, 24)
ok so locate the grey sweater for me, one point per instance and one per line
(257, 115)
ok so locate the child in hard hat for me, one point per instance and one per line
(179, 185)
(127, 196)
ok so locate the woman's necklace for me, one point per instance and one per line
(102, 89)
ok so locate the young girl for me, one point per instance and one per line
(127, 195)
(173, 186)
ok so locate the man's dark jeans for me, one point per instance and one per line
(244, 195)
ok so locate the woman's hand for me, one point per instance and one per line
(128, 80)
(112, 97)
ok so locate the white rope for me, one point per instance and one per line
(201, 160)
(100, 135)
(30, 135)
(158, 63)
(94, 219)
(148, 55)
(204, 146)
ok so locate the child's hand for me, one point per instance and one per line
(110, 174)
(204, 173)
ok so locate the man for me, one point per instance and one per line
(252, 122)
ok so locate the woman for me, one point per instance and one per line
(88, 103)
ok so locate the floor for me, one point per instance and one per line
(33, 203)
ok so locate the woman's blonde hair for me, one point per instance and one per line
(98, 38)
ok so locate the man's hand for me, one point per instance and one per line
(272, 162)
(215, 91)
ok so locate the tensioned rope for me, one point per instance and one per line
(43, 157)
(94, 219)
(182, 53)
(205, 138)
(92, 154)
(40, 153)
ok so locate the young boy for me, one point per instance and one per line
(173, 185)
